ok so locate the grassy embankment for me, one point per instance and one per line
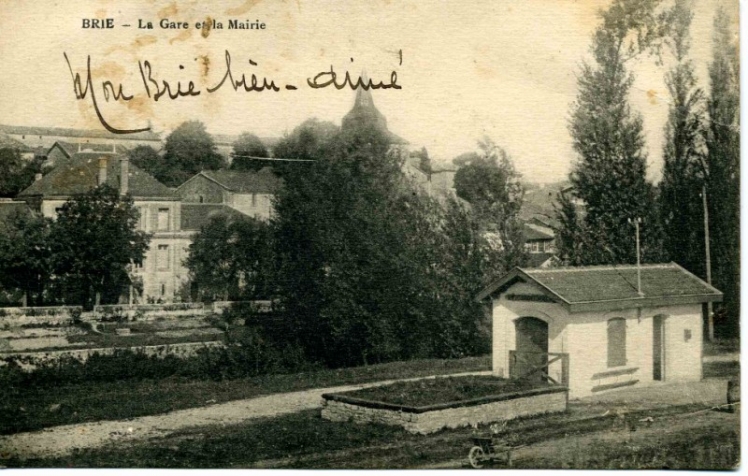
(28, 409)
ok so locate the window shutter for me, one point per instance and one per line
(616, 342)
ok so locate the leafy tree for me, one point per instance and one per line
(723, 166)
(488, 181)
(10, 167)
(233, 259)
(25, 255)
(94, 241)
(146, 158)
(308, 141)
(610, 175)
(362, 267)
(680, 189)
(189, 149)
(246, 146)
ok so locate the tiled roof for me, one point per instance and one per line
(7, 142)
(79, 174)
(532, 231)
(612, 287)
(262, 181)
(63, 132)
(196, 215)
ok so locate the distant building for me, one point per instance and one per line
(62, 150)
(250, 193)
(45, 137)
(540, 244)
(162, 272)
(8, 142)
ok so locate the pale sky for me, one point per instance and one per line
(505, 69)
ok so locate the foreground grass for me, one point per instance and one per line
(40, 407)
(304, 440)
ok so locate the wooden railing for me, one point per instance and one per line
(525, 364)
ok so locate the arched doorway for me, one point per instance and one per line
(531, 346)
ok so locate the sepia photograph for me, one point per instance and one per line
(370, 235)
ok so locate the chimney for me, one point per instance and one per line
(102, 170)
(124, 175)
(37, 177)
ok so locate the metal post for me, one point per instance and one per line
(638, 260)
(709, 310)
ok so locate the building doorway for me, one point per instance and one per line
(531, 347)
(658, 347)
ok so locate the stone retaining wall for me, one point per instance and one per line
(29, 360)
(425, 420)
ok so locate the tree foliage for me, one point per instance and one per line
(188, 150)
(93, 242)
(146, 158)
(233, 259)
(610, 174)
(370, 268)
(25, 254)
(246, 146)
(15, 173)
(681, 186)
(488, 181)
(723, 165)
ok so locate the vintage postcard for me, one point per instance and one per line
(370, 234)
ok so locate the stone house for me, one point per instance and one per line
(595, 329)
(250, 193)
(162, 272)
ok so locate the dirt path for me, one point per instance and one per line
(559, 453)
(61, 440)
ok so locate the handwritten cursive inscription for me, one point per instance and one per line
(155, 87)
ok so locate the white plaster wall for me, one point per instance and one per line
(49, 208)
(262, 209)
(683, 358)
(584, 337)
(588, 336)
(505, 312)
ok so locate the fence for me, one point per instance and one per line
(551, 367)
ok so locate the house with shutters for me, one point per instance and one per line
(162, 274)
(599, 328)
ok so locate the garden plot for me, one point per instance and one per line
(427, 406)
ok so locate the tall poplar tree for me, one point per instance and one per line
(610, 174)
(723, 168)
(683, 174)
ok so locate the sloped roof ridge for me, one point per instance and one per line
(601, 267)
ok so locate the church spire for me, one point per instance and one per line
(363, 110)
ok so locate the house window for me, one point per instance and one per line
(549, 246)
(162, 257)
(163, 219)
(616, 342)
(141, 218)
(535, 247)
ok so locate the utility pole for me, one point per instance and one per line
(709, 309)
(636, 221)
(707, 252)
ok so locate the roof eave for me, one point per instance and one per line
(632, 303)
